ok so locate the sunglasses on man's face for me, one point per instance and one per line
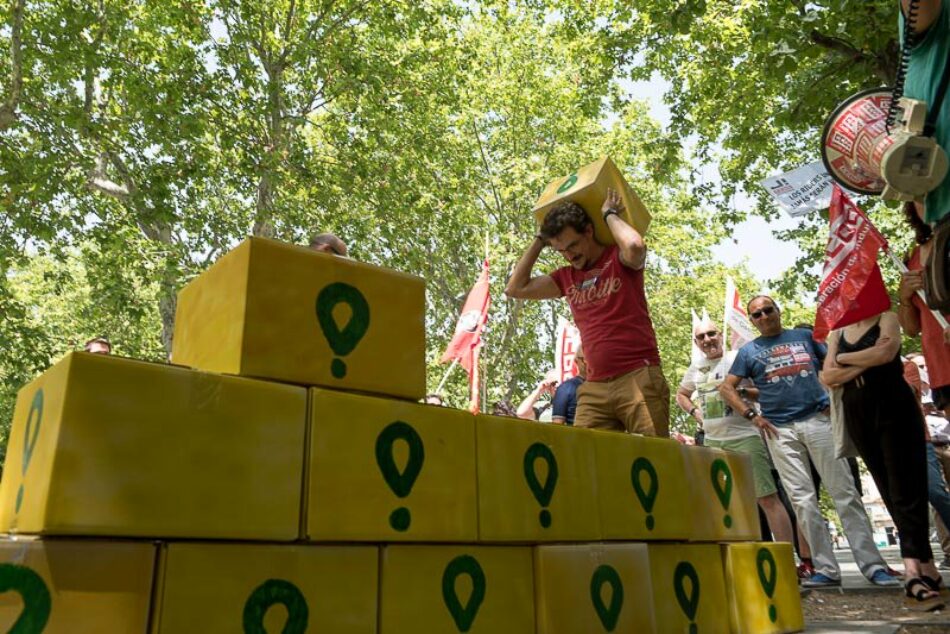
(768, 310)
(712, 334)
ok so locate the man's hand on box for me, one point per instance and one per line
(613, 202)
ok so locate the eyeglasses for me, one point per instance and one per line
(712, 334)
(768, 310)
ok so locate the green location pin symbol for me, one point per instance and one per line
(36, 598)
(767, 579)
(463, 616)
(569, 182)
(642, 466)
(542, 493)
(400, 482)
(608, 614)
(270, 593)
(342, 341)
(721, 478)
(685, 571)
(30, 436)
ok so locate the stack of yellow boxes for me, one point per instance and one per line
(283, 478)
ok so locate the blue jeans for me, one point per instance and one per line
(936, 486)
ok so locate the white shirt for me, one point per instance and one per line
(719, 421)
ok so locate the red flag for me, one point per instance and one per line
(468, 330)
(852, 287)
(473, 380)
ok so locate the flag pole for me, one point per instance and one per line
(484, 377)
(445, 377)
(727, 306)
(920, 293)
(484, 388)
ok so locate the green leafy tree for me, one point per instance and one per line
(139, 142)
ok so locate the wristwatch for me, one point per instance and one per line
(611, 212)
(749, 413)
(692, 411)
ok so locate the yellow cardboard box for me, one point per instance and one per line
(592, 588)
(722, 490)
(588, 188)
(535, 482)
(102, 445)
(452, 589)
(689, 593)
(227, 588)
(75, 587)
(279, 311)
(762, 586)
(641, 488)
(386, 470)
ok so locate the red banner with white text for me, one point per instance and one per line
(851, 288)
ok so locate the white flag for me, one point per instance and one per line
(565, 348)
(801, 191)
(736, 317)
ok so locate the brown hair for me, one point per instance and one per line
(922, 231)
(564, 215)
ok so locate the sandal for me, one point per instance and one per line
(924, 598)
(936, 585)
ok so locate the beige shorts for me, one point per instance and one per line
(637, 402)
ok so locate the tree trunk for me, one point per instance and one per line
(9, 107)
(167, 303)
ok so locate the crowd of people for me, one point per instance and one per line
(799, 409)
(795, 406)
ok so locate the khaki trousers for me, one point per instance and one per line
(637, 402)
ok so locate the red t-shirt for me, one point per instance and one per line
(936, 352)
(610, 310)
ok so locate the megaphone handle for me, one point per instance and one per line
(920, 293)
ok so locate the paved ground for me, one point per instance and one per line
(861, 607)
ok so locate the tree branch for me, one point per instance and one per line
(99, 181)
(836, 44)
(288, 25)
(491, 178)
(9, 107)
(311, 32)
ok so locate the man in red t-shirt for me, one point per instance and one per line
(625, 388)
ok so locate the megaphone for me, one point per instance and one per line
(862, 155)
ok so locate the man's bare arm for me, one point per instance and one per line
(729, 393)
(521, 285)
(927, 12)
(687, 405)
(632, 248)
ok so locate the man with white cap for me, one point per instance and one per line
(726, 429)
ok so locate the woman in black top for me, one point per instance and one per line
(887, 427)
